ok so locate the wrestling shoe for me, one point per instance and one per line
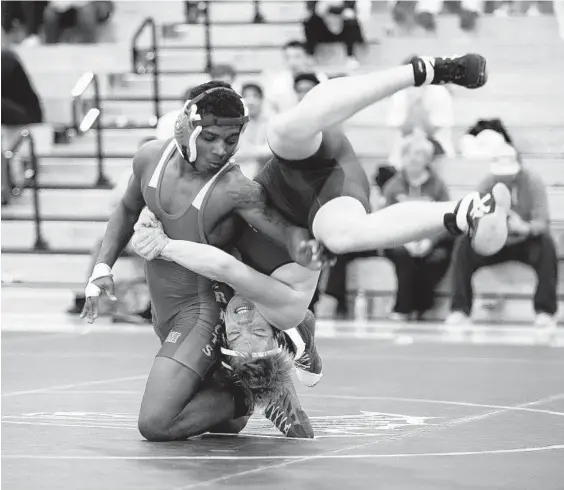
(288, 416)
(307, 362)
(467, 71)
(483, 217)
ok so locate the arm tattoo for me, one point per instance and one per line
(248, 195)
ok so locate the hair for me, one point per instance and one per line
(217, 71)
(294, 44)
(417, 140)
(310, 77)
(252, 86)
(264, 379)
(221, 103)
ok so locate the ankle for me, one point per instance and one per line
(423, 70)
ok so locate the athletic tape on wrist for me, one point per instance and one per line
(101, 270)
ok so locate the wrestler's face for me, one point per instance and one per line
(246, 329)
(215, 146)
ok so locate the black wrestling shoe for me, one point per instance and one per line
(288, 416)
(309, 366)
(483, 217)
(467, 71)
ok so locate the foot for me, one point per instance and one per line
(467, 71)
(545, 326)
(399, 317)
(457, 318)
(308, 366)
(483, 217)
(288, 416)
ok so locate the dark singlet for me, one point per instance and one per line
(174, 288)
(298, 189)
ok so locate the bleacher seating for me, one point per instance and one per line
(526, 65)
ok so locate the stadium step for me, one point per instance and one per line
(60, 270)
(498, 289)
(366, 140)
(82, 172)
(80, 235)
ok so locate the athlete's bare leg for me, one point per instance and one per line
(176, 404)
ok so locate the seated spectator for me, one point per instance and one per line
(419, 265)
(225, 73)
(334, 22)
(20, 106)
(253, 151)
(304, 82)
(428, 108)
(165, 124)
(20, 102)
(279, 85)
(529, 241)
(28, 16)
(83, 17)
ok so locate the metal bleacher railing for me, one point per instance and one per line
(30, 176)
(92, 118)
(146, 61)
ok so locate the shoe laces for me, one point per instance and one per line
(304, 362)
(453, 69)
(278, 416)
(480, 206)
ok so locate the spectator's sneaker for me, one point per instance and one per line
(76, 309)
(308, 366)
(458, 318)
(545, 325)
(483, 217)
(288, 416)
(394, 316)
(467, 71)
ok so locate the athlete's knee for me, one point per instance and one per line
(231, 427)
(154, 427)
(335, 223)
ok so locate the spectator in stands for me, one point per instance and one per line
(304, 82)
(27, 15)
(419, 265)
(83, 17)
(334, 22)
(225, 73)
(20, 102)
(428, 108)
(254, 151)
(529, 240)
(165, 124)
(279, 86)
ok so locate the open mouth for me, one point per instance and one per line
(242, 309)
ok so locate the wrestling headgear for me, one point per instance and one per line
(189, 124)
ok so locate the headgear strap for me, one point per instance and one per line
(190, 120)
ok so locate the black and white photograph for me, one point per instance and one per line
(282, 244)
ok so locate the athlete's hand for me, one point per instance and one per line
(95, 287)
(148, 220)
(149, 242)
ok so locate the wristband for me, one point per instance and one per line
(100, 270)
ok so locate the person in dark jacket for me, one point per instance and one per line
(419, 265)
(20, 103)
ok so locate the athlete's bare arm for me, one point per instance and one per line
(248, 200)
(275, 300)
(296, 134)
(120, 225)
